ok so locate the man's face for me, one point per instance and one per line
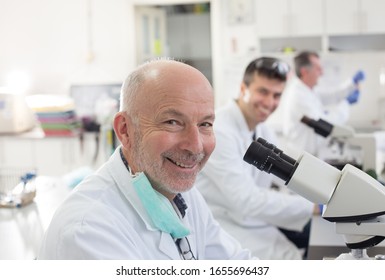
(173, 136)
(260, 99)
(314, 71)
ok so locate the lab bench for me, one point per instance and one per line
(22, 229)
(53, 156)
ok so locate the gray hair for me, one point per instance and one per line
(130, 89)
(303, 60)
(133, 83)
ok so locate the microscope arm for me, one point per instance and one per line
(360, 235)
(367, 142)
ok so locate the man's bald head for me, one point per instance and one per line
(150, 77)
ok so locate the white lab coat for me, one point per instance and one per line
(299, 100)
(240, 196)
(103, 218)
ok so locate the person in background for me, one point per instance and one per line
(240, 196)
(140, 204)
(301, 99)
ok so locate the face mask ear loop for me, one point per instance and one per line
(126, 164)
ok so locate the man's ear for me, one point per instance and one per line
(303, 71)
(242, 89)
(121, 127)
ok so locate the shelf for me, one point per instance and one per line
(367, 42)
(284, 44)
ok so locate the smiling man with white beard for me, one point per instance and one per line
(141, 203)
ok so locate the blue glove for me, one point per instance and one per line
(353, 96)
(359, 77)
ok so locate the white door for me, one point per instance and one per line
(151, 33)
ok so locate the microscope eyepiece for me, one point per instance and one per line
(276, 150)
(320, 126)
(267, 157)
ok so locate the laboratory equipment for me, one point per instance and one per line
(96, 105)
(348, 141)
(352, 199)
(17, 187)
(15, 115)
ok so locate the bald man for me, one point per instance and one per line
(140, 204)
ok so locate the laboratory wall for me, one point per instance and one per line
(348, 35)
(56, 43)
(60, 43)
(368, 113)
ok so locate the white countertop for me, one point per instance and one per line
(22, 229)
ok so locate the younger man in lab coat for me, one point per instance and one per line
(239, 195)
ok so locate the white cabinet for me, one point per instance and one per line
(374, 22)
(354, 16)
(283, 18)
(16, 153)
(320, 25)
(307, 17)
(54, 156)
(342, 17)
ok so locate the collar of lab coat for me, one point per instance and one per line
(123, 180)
(240, 120)
(302, 85)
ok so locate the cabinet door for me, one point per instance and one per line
(342, 17)
(306, 17)
(355, 16)
(17, 153)
(49, 156)
(373, 17)
(57, 156)
(283, 18)
(272, 18)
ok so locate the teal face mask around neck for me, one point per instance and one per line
(159, 208)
